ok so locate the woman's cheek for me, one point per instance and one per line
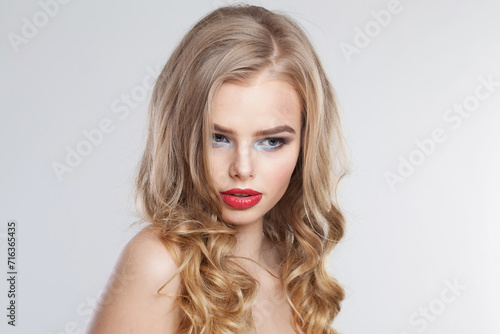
(216, 166)
(281, 172)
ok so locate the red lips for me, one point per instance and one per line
(246, 191)
(241, 202)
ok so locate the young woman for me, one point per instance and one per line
(237, 185)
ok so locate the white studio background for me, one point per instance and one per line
(419, 86)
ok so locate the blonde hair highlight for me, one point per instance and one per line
(176, 195)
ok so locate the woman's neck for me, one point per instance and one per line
(254, 245)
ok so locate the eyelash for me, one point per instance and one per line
(281, 141)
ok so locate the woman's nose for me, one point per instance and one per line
(242, 164)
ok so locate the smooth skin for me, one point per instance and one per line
(240, 159)
(130, 304)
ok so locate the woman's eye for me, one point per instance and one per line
(275, 143)
(218, 138)
(269, 143)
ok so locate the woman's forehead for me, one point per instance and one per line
(270, 100)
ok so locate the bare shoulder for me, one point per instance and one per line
(145, 254)
(130, 302)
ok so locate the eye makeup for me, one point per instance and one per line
(280, 142)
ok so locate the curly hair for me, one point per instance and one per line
(175, 192)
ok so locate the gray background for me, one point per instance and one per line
(405, 245)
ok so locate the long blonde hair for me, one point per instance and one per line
(176, 195)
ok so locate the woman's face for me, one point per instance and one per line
(243, 158)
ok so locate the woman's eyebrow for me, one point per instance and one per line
(266, 132)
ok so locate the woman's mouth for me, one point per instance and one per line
(241, 198)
